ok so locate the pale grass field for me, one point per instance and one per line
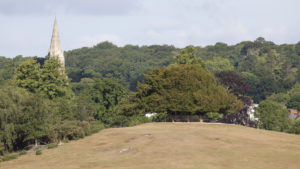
(171, 146)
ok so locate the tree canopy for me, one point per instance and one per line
(184, 89)
(272, 116)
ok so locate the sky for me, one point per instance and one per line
(26, 25)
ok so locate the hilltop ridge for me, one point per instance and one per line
(171, 145)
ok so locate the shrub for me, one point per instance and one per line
(213, 116)
(52, 145)
(23, 152)
(295, 127)
(136, 120)
(38, 152)
(9, 157)
(96, 126)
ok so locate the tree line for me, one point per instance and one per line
(110, 86)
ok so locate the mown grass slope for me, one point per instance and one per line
(171, 146)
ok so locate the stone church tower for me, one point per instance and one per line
(55, 47)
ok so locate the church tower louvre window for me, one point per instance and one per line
(55, 49)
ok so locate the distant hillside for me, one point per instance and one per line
(171, 146)
(268, 67)
(127, 64)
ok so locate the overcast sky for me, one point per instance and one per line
(26, 25)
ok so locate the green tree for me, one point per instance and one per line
(184, 90)
(28, 75)
(48, 80)
(272, 116)
(11, 105)
(24, 117)
(107, 94)
(218, 64)
(188, 56)
(295, 127)
(35, 118)
(294, 102)
(54, 83)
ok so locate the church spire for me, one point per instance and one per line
(55, 46)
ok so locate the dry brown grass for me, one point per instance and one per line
(171, 146)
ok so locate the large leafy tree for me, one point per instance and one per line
(35, 118)
(48, 80)
(53, 81)
(11, 104)
(28, 75)
(233, 82)
(106, 95)
(24, 117)
(272, 116)
(184, 90)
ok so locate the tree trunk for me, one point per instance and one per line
(5, 146)
(36, 142)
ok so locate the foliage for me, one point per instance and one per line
(47, 80)
(242, 117)
(127, 64)
(188, 56)
(42, 107)
(213, 116)
(100, 100)
(289, 98)
(35, 118)
(136, 120)
(38, 152)
(28, 75)
(23, 117)
(294, 102)
(9, 157)
(160, 117)
(182, 89)
(272, 116)
(295, 127)
(53, 81)
(218, 64)
(233, 82)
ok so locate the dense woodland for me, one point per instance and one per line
(111, 86)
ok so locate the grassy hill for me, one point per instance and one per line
(171, 146)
